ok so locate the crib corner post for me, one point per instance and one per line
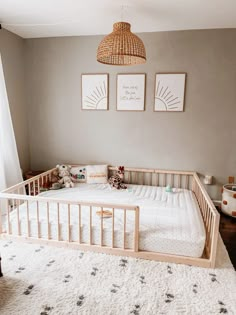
(136, 230)
(214, 241)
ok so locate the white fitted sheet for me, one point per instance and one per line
(169, 222)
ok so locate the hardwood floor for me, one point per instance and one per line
(228, 234)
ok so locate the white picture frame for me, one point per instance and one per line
(94, 92)
(169, 92)
(131, 92)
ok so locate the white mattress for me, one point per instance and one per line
(169, 222)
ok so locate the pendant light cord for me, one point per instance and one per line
(122, 13)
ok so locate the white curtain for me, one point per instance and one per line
(10, 171)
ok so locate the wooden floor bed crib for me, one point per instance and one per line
(15, 198)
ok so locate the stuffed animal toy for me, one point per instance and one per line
(64, 174)
(116, 180)
(54, 176)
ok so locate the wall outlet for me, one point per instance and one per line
(207, 180)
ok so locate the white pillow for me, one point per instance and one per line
(78, 173)
(96, 174)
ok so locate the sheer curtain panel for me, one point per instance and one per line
(10, 171)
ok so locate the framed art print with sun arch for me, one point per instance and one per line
(169, 92)
(95, 91)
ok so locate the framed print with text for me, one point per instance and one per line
(131, 92)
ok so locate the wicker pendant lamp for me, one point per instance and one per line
(121, 47)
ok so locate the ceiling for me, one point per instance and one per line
(50, 18)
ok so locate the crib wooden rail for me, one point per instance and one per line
(14, 201)
(210, 217)
(32, 185)
(25, 195)
(155, 177)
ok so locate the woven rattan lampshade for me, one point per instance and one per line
(121, 47)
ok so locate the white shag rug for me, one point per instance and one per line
(47, 280)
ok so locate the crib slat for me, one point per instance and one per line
(186, 182)
(48, 224)
(58, 221)
(37, 191)
(113, 222)
(79, 224)
(29, 189)
(34, 187)
(208, 219)
(210, 230)
(205, 209)
(172, 180)
(68, 215)
(210, 236)
(164, 180)
(136, 230)
(27, 215)
(90, 225)
(101, 227)
(179, 181)
(37, 218)
(124, 229)
(8, 216)
(18, 217)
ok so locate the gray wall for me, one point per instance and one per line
(202, 138)
(12, 50)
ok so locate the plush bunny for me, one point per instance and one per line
(116, 180)
(64, 174)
